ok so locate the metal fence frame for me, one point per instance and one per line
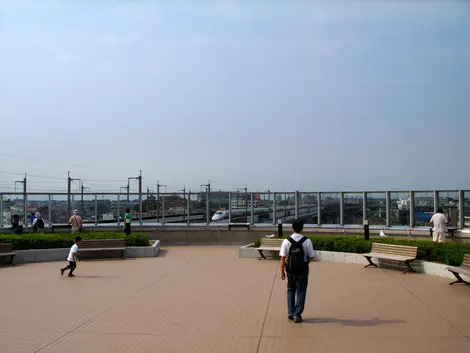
(205, 196)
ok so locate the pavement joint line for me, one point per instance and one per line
(430, 308)
(116, 304)
(267, 310)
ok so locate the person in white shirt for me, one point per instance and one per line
(72, 259)
(439, 221)
(298, 251)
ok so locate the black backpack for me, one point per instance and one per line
(296, 259)
(40, 223)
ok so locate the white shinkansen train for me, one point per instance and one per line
(263, 213)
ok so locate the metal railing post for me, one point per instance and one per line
(163, 206)
(461, 209)
(341, 208)
(50, 210)
(296, 204)
(274, 208)
(412, 209)
(96, 209)
(436, 200)
(252, 211)
(319, 208)
(1, 210)
(364, 205)
(387, 207)
(188, 208)
(119, 209)
(230, 207)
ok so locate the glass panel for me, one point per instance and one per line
(308, 206)
(240, 206)
(59, 212)
(263, 208)
(285, 207)
(13, 205)
(353, 208)
(219, 207)
(198, 207)
(175, 208)
(449, 202)
(38, 203)
(400, 209)
(424, 208)
(108, 210)
(86, 207)
(330, 208)
(466, 211)
(376, 208)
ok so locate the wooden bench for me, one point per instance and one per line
(269, 244)
(463, 269)
(103, 245)
(6, 249)
(400, 253)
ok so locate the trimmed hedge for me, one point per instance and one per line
(447, 253)
(66, 240)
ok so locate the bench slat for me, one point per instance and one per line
(102, 244)
(389, 256)
(466, 261)
(6, 248)
(392, 249)
(271, 242)
(461, 270)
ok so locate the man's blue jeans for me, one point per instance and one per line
(296, 293)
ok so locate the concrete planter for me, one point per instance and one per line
(47, 255)
(429, 268)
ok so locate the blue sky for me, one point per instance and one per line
(283, 95)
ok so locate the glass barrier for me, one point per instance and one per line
(198, 207)
(108, 209)
(353, 212)
(424, 207)
(466, 209)
(263, 207)
(330, 208)
(285, 207)
(400, 209)
(449, 202)
(376, 208)
(38, 203)
(219, 207)
(308, 207)
(13, 205)
(59, 212)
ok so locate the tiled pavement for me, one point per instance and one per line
(206, 299)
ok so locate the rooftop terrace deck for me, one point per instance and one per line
(206, 299)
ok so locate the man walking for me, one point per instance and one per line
(298, 251)
(439, 221)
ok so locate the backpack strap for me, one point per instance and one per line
(301, 241)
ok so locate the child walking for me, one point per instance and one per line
(72, 259)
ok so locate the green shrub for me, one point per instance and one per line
(447, 253)
(65, 240)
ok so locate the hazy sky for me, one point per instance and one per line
(282, 95)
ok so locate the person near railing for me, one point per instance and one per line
(127, 222)
(76, 222)
(440, 223)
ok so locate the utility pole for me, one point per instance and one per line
(25, 197)
(139, 178)
(208, 195)
(82, 190)
(69, 191)
(158, 200)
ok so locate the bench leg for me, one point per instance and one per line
(370, 262)
(10, 262)
(459, 279)
(261, 255)
(408, 267)
(122, 254)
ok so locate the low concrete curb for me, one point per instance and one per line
(47, 255)
(429, 268)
